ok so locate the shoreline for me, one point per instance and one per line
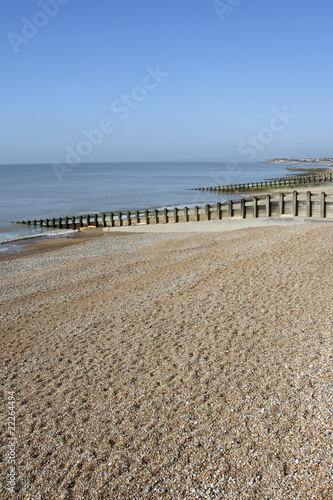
(26, 244)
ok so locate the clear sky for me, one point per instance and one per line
(129, 80)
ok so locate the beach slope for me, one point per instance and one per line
(171, 366)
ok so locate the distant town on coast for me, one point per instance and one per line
(299, 160)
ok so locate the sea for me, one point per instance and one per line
(45, 190)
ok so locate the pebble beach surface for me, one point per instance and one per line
(171, 366)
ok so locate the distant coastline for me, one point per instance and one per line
(299, 160)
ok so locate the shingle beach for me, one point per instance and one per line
(163, 366)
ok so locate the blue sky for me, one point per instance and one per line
(115, 80)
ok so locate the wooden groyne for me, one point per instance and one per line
(291, 181)
(317, 205)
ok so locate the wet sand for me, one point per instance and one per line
(171, 366)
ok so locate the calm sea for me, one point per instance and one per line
(40, 191)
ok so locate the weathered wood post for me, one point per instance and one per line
(295, 204)
(128, 216)
(95, 220)
(218, 211)
(41, 223)
(166, 216)
(242, 208)
(73, 222)
(53, 222)
(88, 220)
(66, 222)
(156, 216)
(322, 205)
(186, 214)
(103, 220)
(196, 214)
(80, 221)
(281, 203)
(35, 222)
(207, 210)
(255, 207)
(60, 222)
(229, 205)
(175, 211)
(111, 220)
(308, 204)
(268, 205)
(137, 216)
(120, 219)
(146, 217)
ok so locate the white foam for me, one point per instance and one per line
(51, 233)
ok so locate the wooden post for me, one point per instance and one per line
(128, 218)
(120, 219)
(175, 214)
(111, 220)
(281, 203)
(308, 204)
(229, 205)
(295, 207)
(80, 221)
(40, 223)
(156, 216)
(218, 211)
(322, 205)
(73, 222)
(96, 220)
(268, 205)
(255, 207)
(53, 222)
(196, 214)
(60, 222)
(103, 220)
(88, 220)
(242, 207)
(137, 216)
(35, 222)
(66, 222)
(208, 211)
(146, 217)
(186, 214)
(166, 217)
